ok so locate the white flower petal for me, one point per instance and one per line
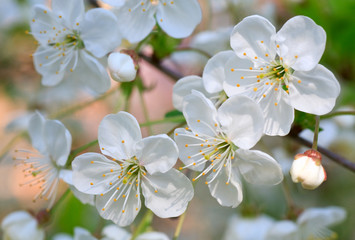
(114, 232)
(322, 216)
(153, 236)
(115, 3)
(283, 230)
(118, 134)
(21, 225)
(213, 74)
(121, 67)
(314, 91)
(89, 170)
(200, 114)
(248, 228)
(238, 76)
(190, 153)
(35, 130)
(48, 64)
(68, 11)
(167, 194)
(82, 234)
(184, 86)
(42, 23)
(123, 211)
(179, 18)
(157, 153)
(253, 36)
(242, 121)
(228, 195)
(135, 24)
(258, 167)
(91, 73)
(58, 141)
(98, 33)
(302, 37)
(278, 114)
(62, 236)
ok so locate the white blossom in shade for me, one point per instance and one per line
(72, 43)
(313, 223)
(217, 142)
(280, 70)
(110, 232)
(21, 225)
(135, 166)
(191, 62)
(45, 167)
(121, 66)
(308, 170)
(248, 228)
(177, 18)
(211, 84)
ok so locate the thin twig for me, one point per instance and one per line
(339, 113)
(174, 75)
(316, 131)
(179, 226)
(331, 155)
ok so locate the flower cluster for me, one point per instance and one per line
(242, 95)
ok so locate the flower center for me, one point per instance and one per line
(43, 173)
(218, 151)
(131, 170)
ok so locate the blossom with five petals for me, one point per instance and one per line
(177, 18)
(72, 43)
(135, 166)
(217, 143)
(280, 70)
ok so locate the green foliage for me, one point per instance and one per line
(163, 44)
(304, 120)
(73, 213)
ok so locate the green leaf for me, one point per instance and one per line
(163, 44)
(173, 113)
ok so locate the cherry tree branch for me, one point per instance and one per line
(331, 155)
(174, 75)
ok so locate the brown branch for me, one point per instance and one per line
(174, 75)
(331, 155)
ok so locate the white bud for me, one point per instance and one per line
(121, 66)
(307, 169)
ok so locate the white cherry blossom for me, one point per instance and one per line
(280, 70)
(135, 166)
(46, 167)
(177, 18)
(217, 142)
(21, 225)
(313, 223)
(72, 43)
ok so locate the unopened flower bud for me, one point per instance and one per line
(307, 169)
(122, 67)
